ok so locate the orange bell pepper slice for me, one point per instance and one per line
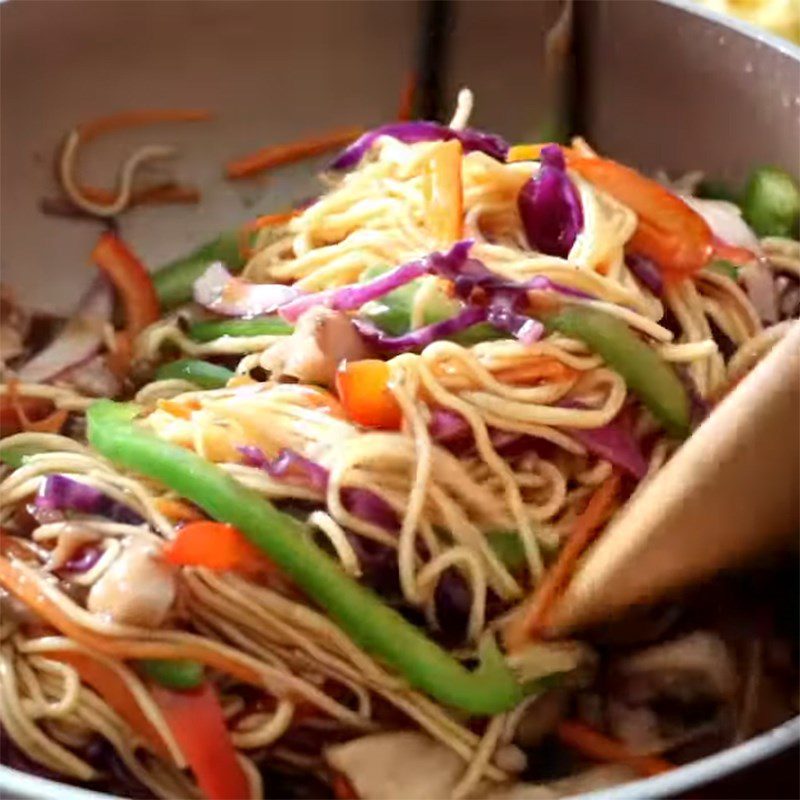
(673, 235)
(445, 209)
(363, 388)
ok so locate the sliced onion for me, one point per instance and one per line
(219, 291)
(78, 341)
(726, 222)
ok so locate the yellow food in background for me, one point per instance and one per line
(781, 17)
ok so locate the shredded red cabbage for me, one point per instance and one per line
(614, 442)
(420, 131)
(422, 337)
(291, 467)
(647, 271)
(448, 426)
(351, 297)
(219, 291)
(59, 492)
(550, 207)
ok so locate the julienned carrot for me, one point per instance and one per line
(152, 195)
(276, 155)
(532, 152)
(545, 368)
(259, 223)
(137, 117)
(598, 747)
(177, 510)
(20, 413)
(533, 619)
(405, 108)
(112, 687)
(446, 194)
(24, 586)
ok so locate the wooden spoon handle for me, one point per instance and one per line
(731, 491)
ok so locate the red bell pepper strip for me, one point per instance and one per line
(110, 685)
(130, 279)
(198, 725)
(217, 546)
(363, 388)
(673, 235)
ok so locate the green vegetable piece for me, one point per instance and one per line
(490, 689)
(208, 330)
(726, 268)
(644, 371)
(772, 203)
(508, 548)
(392, 312)
(180, 673)
(718, 190)
(15, 455)
(201, 373)
(174, 281)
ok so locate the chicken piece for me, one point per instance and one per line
(322, 339)
(671, 693)
(385, 766)
(137, 589)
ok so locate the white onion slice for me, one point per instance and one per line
(79, 340)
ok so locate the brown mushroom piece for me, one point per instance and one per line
(671, 693)
(322, 339)
(137, 589)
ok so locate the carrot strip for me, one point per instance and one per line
(405, 108)
(177, 510)
(18, 412)
(598, 747)
(182, 410)
(532, 620)
(545, 368)
(138, 117)
(151, 195)
(277, 155)
(29, 592)
(342, 788)
(446, 196)
(259, 223)
(532, 152)
(111, 686)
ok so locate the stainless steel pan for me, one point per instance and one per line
(659, 84)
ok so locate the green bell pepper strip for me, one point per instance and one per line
(718, 190)
(208, 330)
(644, 371)
(771, 203)
(15, 455)
(174, 282)
(181, 673)
(490, 689)
(201, 373)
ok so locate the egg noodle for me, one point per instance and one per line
(314, 683)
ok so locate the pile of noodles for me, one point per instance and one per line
(372, 216)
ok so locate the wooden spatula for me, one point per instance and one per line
(731, 491)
